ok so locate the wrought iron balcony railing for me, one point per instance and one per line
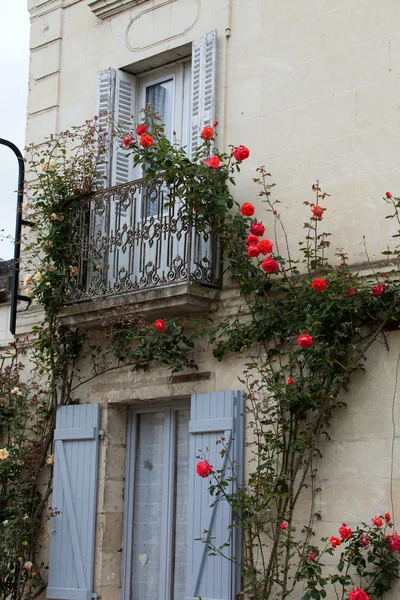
(134, 237)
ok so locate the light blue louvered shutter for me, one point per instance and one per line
(74, 497)
(122, 161)
(105, 112)
(213, 416)
(204, 68)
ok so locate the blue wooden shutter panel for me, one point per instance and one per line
(213, 416)
(74, 496)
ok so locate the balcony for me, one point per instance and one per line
(133, 245)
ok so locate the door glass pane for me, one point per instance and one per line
(148, 507)
(161, 97)
(181, 494)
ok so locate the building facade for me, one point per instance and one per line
(312, 89)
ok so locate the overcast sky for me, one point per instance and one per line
(14, 67)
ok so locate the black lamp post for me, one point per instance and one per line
(17, 239)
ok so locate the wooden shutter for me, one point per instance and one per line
(74, 496)
(105, 110)
(204, 65)
(122, 161)
(213, 416)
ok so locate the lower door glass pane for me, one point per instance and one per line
(148, 507)
(181, 493)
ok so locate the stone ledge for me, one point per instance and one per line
(107, 8)
(164, 302)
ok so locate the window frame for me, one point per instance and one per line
(167, 537)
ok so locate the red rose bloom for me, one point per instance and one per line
(252, 239)
(265, 246)
(269, 265)
(305, 341)
(317, 211)
(290, 381)
(394, 541)
(319, 285)
(257, 229)
(146, 140)
(247, 209)
(215, 123)
(127, 140)
(203, 468)
(377, 521)
(364, 540)
(207, 133)
(252, 251)
(345, 532)
(283, 526)
(387, 518)
(388, 195)
(159, 324)
(241, 153)
(141, 129)
(358, 594)
(213, 162)
(351, 292)
(377, 290)
(334, 541)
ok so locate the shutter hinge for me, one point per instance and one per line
(101, 436)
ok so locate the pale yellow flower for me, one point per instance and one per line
(53, 217)
(50, 459)
(73, 271)
(29, 292)
(16, 391)
(25, 206)
(28, 565)
(98, 267)
(5, 523)
(27, 280)
(37, 276)
(25, 517)
(4, 454)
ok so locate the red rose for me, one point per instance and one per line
(241, 153)
(127, 140)
(319, 285)
(317, 211)
(265, 246)
(305, 340)
(252, 251)
(290, 381)
(252, 239)
(257, 229)
(146, 140)
(269, 265)
(364, 540)
(215, 123)
(388, 518)
(141, 129)
(377, 521)
(388, 195)
(394, 541)
(213, 162)
(358, 594)
(351, 292)
(377, 290)
(203, 468)
(247, 209)
(207, 133)
(345, 532)
(159, 324)
(283, 526)
(334, 541)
